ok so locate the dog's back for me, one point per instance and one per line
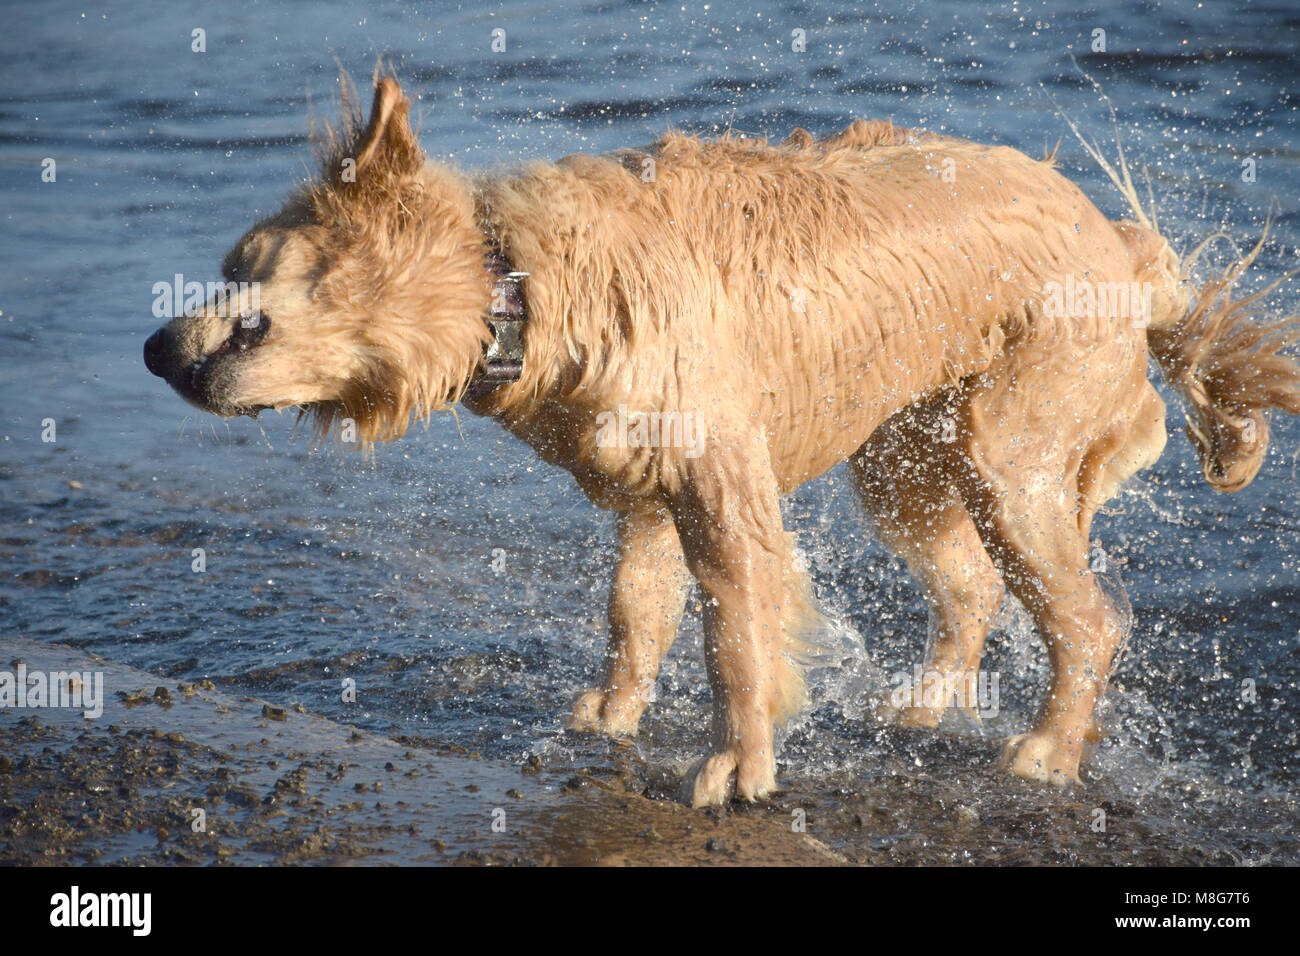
(843, 278)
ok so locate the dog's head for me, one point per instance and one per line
(362, 299)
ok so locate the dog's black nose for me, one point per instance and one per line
(155, 348)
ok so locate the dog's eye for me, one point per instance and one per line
(250, 330)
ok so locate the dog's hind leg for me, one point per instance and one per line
(903, 477)
(645, 607)
(1023, 492)
(728, 516)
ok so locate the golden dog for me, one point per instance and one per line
(885, 296)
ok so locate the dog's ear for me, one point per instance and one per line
(387, 143)
(370, 161)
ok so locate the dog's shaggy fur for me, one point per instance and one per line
(877, 296)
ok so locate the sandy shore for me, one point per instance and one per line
(278, 786)
(173, 773)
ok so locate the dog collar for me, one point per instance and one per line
(503, 357)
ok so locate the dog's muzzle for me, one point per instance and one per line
(203, 381)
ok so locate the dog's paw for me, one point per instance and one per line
(586, 712)
(594, 714)
(1039, 757)
(719, 777)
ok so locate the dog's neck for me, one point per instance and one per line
(503, 358)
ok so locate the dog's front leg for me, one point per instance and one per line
(729, 522)
(645, 609)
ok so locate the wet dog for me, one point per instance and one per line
(957, 321)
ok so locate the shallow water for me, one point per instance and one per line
(321, 566)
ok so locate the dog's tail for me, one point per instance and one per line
(1224, 357)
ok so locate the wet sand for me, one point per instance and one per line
(280, 786)
(284, 787)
